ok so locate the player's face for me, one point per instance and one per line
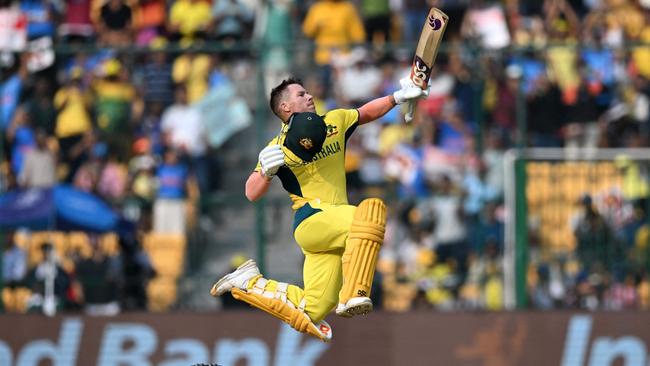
(299, 100)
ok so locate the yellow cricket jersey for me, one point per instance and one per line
(333, 25)
(322, 180)
(73, 118)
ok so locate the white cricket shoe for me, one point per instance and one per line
(354, 306)
(236, 279)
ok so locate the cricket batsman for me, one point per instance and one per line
(340, 241)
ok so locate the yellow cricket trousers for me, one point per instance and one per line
(321, 230)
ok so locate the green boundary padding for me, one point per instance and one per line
(521, 234)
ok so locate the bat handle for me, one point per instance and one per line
(409, 115)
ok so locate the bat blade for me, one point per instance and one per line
(428, 45)
(426, 51)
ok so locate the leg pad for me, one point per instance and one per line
(360, 256)
(284, 310)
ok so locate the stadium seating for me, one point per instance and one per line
(167, 255)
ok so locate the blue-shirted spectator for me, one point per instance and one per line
(14, 262)
(22, 138)
(40, 18)
(169, 206)
(10, 91)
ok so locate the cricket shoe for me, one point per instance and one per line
(354, 306)
(236, 279)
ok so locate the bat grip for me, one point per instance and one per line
(409, 115)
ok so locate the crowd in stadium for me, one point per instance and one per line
(126, 120)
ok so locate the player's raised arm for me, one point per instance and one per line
(376, 108)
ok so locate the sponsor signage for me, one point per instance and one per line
(252, 338)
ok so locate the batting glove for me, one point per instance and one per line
(271, 159)
(409, 91)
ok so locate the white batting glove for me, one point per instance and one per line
(271, 159)
(409, 91)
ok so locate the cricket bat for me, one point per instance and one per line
(426, 51)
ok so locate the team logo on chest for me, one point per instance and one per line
(332, 130)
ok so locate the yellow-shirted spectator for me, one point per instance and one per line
(192, 70)
(562, 25)
(333, 25)
(73, 121)
(189, 17)
(72, 102)
(438, 294)
(641, 55)
(562, 62)
(393, 135)
(493, 293)
(634, 184)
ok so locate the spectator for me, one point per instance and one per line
(191, 70)
(582, 114)
(545, 113)
(622, 295)
(141, 168)
(39, 167)
(189, 20)
(169, 205)
(150, 129)
(156, 75)
(115, 25)
(361, 71)
(73, 121)
(485, 22)
(112, 181)
(504, 114)
(14, 262)
(273, 26)
(640, 56)
(20, 136)
(11, 87)
(41, 17)
(412, 19)
(48, 270)
(450, 233)
(76, 24)
(184, 132)
(149, 21)
(335, 26)
(376, 16)
(100, 277)
(136, 272)
(596, 245)
(114, 107)
(40, 106)
(541, 293)
(137, 206)
(562, 26)
(231, 21)
(493, 155)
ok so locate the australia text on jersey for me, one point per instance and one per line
(328, 150)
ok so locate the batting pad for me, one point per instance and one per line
(360, 256)
(276, 304)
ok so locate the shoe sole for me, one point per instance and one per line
(358, 309)
(214, 291)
